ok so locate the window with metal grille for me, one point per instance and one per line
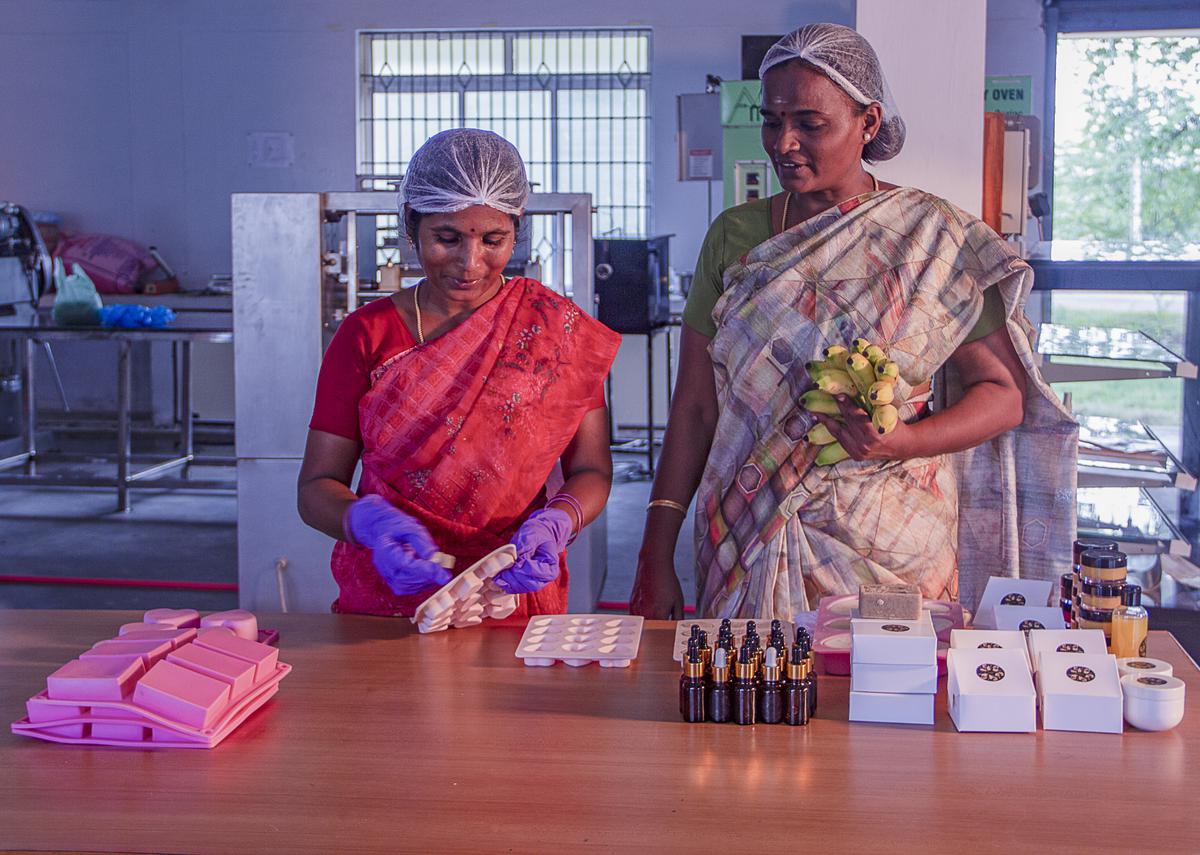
(575, 103)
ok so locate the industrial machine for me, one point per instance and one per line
(301, 261)
(26, 269)
(632, 282)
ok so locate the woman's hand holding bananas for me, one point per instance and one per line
(855, 405)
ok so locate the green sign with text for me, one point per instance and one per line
(1007, 94)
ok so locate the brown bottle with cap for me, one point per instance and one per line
(720, 688)
(796, 701)
(770, 692)
(745, 694)
(691, 684)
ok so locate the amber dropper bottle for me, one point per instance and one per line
(805, 641)
(796, 701)
(720, 688)
(770, 693)
(691, 685)
(745, 695)
(705, 651)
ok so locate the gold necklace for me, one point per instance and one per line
(417, 307)
(788, 198)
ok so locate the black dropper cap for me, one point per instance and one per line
(695, 630)
(1131, 595)
(702, 638)
(744, 655)
(776, 626)
(726, 625)
(693, 652)
(751, 628)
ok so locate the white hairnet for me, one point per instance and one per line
(462, 167)
(847, 59)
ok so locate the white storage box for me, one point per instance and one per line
(1080, 692)
(893, 642)
(1002, 591)
(1027, 618)
(891, 708)
(1077, 642)
(900, 679)
(989, 639)
(991, 690)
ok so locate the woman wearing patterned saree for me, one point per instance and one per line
(459, 395)
(836, 256)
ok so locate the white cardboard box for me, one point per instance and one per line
(1002, 590)
(893, 642)
(899, 679)
(891, 708)
(1080, 692)
(1027, 618)
(1071, 641)
(989, 639)
(991, 690)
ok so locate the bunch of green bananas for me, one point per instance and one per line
(867, 376)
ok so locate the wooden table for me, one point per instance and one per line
(383, 740)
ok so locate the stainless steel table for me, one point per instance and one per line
(35, 328)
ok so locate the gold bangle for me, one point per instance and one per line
(668, 503)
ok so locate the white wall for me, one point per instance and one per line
(932, 52)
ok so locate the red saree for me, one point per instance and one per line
(463, 431)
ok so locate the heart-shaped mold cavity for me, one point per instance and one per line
(843, 606)
(584, 621)
(608, 648)
(615, 622)
(575, 648)
(842, 624)
(837, 642)
(532, 648)
(543, 621)
(576, 637)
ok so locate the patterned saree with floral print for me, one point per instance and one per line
(774, 532)
(463, 431)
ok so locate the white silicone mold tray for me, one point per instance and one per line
(683, 631)
(611, 640)
(470, 596)
(167, 686)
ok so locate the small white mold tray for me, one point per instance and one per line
(611, 640)
(470, 596)
(683, 631)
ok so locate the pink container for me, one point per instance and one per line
(141, 626)
(262, 656)
(181, 695)
(238, 673)
(243, 623)
(175, 617)
(175, 637)
(94, 680)
(148, 651)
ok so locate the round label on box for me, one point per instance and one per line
(1152, 681)
(989, 672)
(1080, 674)
(894, 627)
(989, 645)
(1027, 625)
(1013, 600)
(1145, 666)
(1068, 648)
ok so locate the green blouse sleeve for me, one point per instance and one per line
(707, 284)
(992, 318)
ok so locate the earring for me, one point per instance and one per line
(866, 137)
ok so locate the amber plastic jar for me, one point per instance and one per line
(1095, 619)
(1100, 596)
(1098, 565)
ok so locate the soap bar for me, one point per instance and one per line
(181, 694)
(175, 617)
(94, 679)
(889, 602)
(243, 623)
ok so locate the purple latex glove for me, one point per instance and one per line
(400, 546)
(539, 541)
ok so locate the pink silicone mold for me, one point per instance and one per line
(610, 640)
(831, 638)
(179, 690)
(471, 596)
(243, 623)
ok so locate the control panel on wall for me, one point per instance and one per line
(753, 179)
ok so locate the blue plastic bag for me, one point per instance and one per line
(130, 316)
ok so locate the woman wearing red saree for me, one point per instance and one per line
(459, 396)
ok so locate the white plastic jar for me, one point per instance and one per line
(1153, 701)
(1143, 665)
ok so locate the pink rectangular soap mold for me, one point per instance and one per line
(610, 640)
(471, 596)
(172, 723)
(831, 637)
